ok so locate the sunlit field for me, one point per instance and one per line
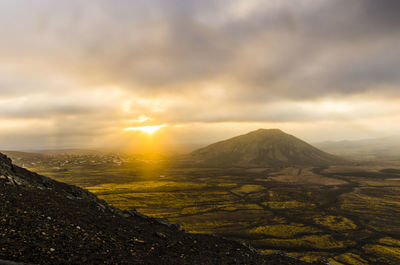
(349, 215)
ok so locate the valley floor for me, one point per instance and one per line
(349, 215)
(47, 222)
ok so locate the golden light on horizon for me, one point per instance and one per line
(146, 129)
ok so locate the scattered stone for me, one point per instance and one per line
(138, 240)
(161, 235)
(101, 206)
(134, 213)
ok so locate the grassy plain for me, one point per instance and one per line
(349, 215)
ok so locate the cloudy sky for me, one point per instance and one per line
(87, 73)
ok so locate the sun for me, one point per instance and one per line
(147, 129)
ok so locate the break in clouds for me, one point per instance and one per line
(84, 69)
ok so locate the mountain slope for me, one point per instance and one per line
(263, 148)
(43, 221)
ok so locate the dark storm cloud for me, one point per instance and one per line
(350, 47)
(349, 20)
(385, 12)
(362, 35)
(164, 46)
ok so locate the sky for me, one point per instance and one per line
(101, 73)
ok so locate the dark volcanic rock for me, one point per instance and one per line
(43, 221)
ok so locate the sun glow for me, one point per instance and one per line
(141, 119)
(146, 129)
(334, 106)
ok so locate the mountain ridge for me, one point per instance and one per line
(373, 148)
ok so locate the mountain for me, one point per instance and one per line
(43, 221)
(263, 148)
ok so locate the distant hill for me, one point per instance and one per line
(52, 152)
(374, 148)
(19, 154)
(262, 148)
(70, 151)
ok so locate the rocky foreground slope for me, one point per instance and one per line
(43, 221)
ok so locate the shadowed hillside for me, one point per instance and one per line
(263, 148)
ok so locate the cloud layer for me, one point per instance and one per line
(86, 69)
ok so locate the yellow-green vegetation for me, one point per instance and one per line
(286, 204)
(272, 195)
(122, 203)
(336, 223)
(390, 241)
(308, 256)
(249, 206)
(279, 220)
(325, 242)
(379, 250)
(227, 185)
(268, 251)
(283, 231)
(196, 210)
(142, 186)
(184, 203)
(208, 226)
(334, 262)
(313, 241)
(248, 189)
(252, 206)
(370, 202)
(371, 207)
(230, 208)
(350, 258)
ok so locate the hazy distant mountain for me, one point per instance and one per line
(71, 151)
(18, 155)
(366, 148)
(263, 148)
